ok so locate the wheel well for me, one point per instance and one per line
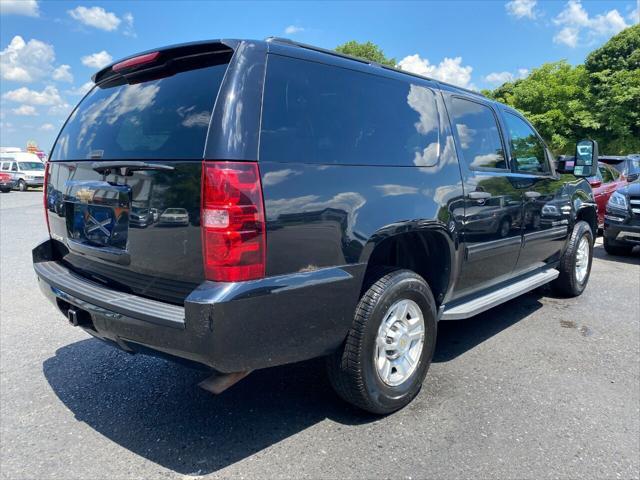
(425, 253)
(590, 216)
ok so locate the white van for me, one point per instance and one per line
(26, 169)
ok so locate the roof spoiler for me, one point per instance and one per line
(159, 58)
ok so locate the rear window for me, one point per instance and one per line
(316, 113)
(166, 118)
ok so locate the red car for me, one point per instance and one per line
(603, 185)
(6, 182)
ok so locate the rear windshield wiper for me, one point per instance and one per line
(126, 168)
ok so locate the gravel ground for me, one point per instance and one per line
(540, 387)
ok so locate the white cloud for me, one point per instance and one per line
(63, 74)
(26, 61)
(498, 78)
(60, 109)
(522, 8)
(25, 110)
(81, 90)
(449, 70)
(634, 15)
(20, 7)
(46, 127)
(48, 96)
(97, 60)
(96, 17)
(567, 36)
(293, 29)
(127, 21)
(574, 20)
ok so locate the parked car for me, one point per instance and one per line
(606, 181)
(6, 182)
(628, 166)
(332, 197)
(622, 220)
(26, 169)
(174, 216)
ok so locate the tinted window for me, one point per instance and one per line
(634, 166)
(478, 134)
(315, 113)
(528, 150)
(14, 167)
(5, 166)
(158, 119)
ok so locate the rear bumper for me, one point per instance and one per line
(229, 327)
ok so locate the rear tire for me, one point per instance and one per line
(381, 336)
(575, 264)
(622, 250)
(22, 186)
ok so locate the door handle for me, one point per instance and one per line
(532, 195)
(479, 195)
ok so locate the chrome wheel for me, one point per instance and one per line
(399, 342)
(582, 259)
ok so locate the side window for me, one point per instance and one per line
(606, 174)
(478, 134)
(614, 173)
(528, 150)
(4, 166)
(317, 113)
(14, 167)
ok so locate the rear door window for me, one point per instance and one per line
(317, 113)
(478, 135)
(165, 118)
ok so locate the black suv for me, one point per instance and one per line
(622, 220)
(299, 203)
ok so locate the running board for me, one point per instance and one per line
(496, 297)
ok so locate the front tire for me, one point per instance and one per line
(22, 186)
(390, 345)
(575, 264)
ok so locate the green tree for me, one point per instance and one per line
(614, 86)
(368, 51)
(600, 99)
(555, 98)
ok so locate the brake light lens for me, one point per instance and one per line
(136, 61)
(232, 220)
(44, 194)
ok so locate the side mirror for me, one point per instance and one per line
(595, 183)
(586, 158)
(632, 177)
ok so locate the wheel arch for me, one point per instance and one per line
(428, 250)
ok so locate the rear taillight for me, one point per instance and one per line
(232, 219)
(44, 194)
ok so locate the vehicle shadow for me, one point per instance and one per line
(155, 409)
(456, 337)
(600, 253)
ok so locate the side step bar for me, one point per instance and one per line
(500, 295)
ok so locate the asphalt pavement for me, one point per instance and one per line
(540, 387)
